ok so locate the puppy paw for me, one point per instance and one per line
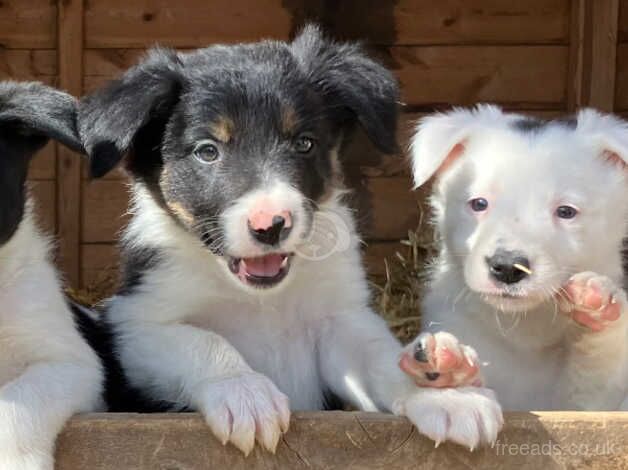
(593, 301)
(469, 416)
(245, 408)
(440, 360)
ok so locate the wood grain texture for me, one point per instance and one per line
(44, 195)
(28, 24)
(191, 23)
(28, 64)
(623, 21)
(70, 54)
(342, 440)
(43, 165)
(621, 97)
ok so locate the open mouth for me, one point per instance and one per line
(262, 271)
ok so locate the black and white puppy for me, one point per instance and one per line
(233, 294)
(47, 371)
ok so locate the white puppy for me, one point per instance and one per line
(531, 216)
(47, 371)
(233, 295)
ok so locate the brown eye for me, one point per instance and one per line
(304, 144)
(206, 152)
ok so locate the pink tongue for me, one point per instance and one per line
(265, 266)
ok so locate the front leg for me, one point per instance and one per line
(359, 356)
(201, 369)
(596, 372)
(35, 406)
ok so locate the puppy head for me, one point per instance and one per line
(523, 204)
(30, 114)
(240, 143)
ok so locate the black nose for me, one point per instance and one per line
(506, 266)
(273, 234)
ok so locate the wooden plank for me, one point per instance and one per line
(43, 165)
(24, 64)
(446, 22)
(621, 98)
(70, 41)
(432, 76)
(337, 440)
(44, 195)
(99, 268)
(465, 75)
(103, 210)
(188, 23)
(28, 24)
(593, 54)
(191, 23)
(623, 21)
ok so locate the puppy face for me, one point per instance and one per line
(522, 205)
(240, 144)
(30, 114)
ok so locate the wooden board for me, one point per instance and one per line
(24, 64)
(431, 76)
(104, 206)
(43, 192)
(43, 164)
(621, 89)
(623, 20)
(28, 24)
(342, 440)
(191, 23)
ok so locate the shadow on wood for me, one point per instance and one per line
(341, 440)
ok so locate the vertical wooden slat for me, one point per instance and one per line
(70, 50)
(593, 54)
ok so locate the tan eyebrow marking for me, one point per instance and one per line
(222, 129)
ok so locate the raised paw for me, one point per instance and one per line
(440, 360)
(469, 416)
(245, 408)
(593, 301)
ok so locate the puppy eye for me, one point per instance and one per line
(478, 204)
(566, 212)
(304, 144)
(206, 152)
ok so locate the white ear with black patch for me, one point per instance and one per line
(609, 133)
(439, 139)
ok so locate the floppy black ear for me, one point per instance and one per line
(349, 78)
(38, 112)
(110, 119)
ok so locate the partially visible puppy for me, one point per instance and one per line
(233, 299)
(47, 371)
(531, 216)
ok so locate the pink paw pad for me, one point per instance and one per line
(439, 361)
(593, 301)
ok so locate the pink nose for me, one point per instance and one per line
(265, 220)
(270, 227)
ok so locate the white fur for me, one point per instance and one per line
(193, 334)
(538, 358)
(47, 371)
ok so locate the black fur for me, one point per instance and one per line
(120, 396)
(534, 124)
(160, 109)
(136, 263)
(30, 114)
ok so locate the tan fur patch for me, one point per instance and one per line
(222, 129)
(289, 119)
(181, 212)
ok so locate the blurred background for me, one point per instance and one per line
(543, 57)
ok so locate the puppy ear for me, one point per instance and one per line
(440, 139)
(348, 77)
(38, 112)
(609, 133)
(110, 119)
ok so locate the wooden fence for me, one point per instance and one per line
(538, 56)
